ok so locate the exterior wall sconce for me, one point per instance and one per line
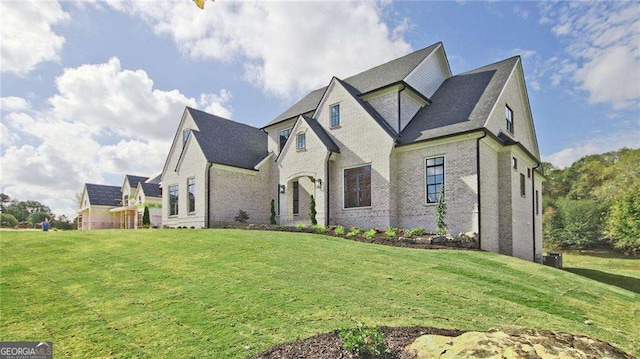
(318, 183)
(281, 188)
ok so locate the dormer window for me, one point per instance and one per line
(335, 115)
(509, 119)
(185, 136)
(302, 141)
(284, 135)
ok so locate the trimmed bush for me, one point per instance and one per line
(364, 341)
(8, 221)
(312, 211)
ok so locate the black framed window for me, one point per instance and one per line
(173, 200)
(335, 115)
(523, 192)
(435, 178)
(357, 187)
(284, 135)
(509, 117)
(515, 163)
(537, 203)
(191, 186)
(185, 136)
(302, 141)
(296, 197)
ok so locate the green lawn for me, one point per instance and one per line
(229, 293)
(611, 268)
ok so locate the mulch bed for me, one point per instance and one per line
(329, 345)
(379, 238)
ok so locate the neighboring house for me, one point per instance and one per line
(138, 192)
(97, 200)
(121, 207)
(376, 149)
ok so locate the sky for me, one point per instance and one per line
(93, 90)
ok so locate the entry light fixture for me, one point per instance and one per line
(318, 183)
(281, 188)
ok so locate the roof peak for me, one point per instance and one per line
(219, 117)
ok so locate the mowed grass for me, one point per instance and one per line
(232, 293)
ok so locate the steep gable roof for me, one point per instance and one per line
(151, 189)
(228, 142)
(322, 134)
(103, 195)
(380, 76)
(462, 103)
(133, 180)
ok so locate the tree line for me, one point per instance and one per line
(594, 203)
(29, 214)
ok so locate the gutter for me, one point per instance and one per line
(207, 219)
(533, 208)
(479, 188)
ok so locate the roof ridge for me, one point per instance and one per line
(489, 65)
(102, 185)
(221, 118)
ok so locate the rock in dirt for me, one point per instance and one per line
(512, 343)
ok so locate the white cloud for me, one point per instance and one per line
(70, 142)
(27, 37)
(629, 137)
(286, 48)
(602, 49)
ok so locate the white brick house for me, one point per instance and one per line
(374, 150)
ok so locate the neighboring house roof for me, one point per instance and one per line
(461, 104)
(375, 78)
(134, 180)
(227, 142)
(322, 134)
(155, 179)
(151, 189)
(103, 195)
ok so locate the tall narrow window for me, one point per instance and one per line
(357, 187)
(173, 200)
(278, 200)
(435, 179)
(302, 141)
(185, 136)
(515, 163)
(509, 118)
(296, 197)
(335, 115)
(191, 186)
(537, 203)
(284, 135)
(523, 192)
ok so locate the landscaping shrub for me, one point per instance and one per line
(370, 233)
(146, 220)
(318, 228)
(301, 226)
(241, 217)
(312, 211)
(391, 232)
(8, 221)
(363, 341)
(441, 212)
(272, 219)
(354, 231)
(414, 232)
(339, 230)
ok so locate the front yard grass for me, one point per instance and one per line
(233, 293)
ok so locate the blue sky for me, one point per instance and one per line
(95, 89)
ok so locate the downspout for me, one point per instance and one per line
(400, 107)
(208, 196)
(533, 208)
(478, 184)
(326, 201)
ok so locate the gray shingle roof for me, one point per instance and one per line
(380, 76)
(462, 103)
(155, 179)
(227, 142)
(103, 195)
(151, 189)
(322, 134)
(134, 180)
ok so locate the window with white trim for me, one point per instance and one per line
(335, 115)
(302, 141)
(509, 118)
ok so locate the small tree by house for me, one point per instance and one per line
(272, 219)
(146, 220)
(441, 212)
(312, 211)
(8, 221)
(242, 216)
